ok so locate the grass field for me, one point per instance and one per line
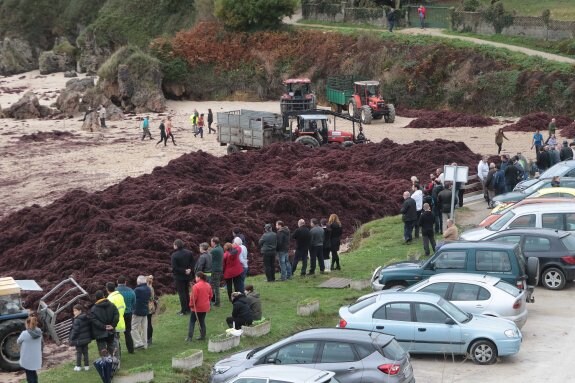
(560, 9)
(375, 243)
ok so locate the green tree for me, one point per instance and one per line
(245, 15)
(497, 16)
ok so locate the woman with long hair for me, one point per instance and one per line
(30, 341)
(200, 298)
(335, 226)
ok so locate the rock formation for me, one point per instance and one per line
(16, 56)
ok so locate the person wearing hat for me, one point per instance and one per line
(268, 247)
(566, 152)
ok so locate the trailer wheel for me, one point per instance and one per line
(352, 108)
(390, 116)
(9, 350)
(308, 141)
(232, 149)
(366, 115)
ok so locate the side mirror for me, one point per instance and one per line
(449, 321)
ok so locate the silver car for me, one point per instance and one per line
(475, 294)
(283, 374)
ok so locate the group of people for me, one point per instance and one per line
(392, 14)
(166, 127)
(198, 122)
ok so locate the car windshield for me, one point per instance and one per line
(556, 170)
(497, 225)
(453, 311)
(362, 304)
(258, 351)
(536, 186)
(416, 286)
(569, 242)
(509, 289)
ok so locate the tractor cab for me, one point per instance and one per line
(297, 95)
(369, 94)
(317, 126)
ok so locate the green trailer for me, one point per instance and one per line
(339, 91)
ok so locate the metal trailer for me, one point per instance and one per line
(249, 129)
(338, 91)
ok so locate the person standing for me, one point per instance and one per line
(146, 128)
(129, 299)
(105, 317)
(444, 200)
(118, 300)
(233, 269)
(30, 342)
(283, 237)
(199, 305)
(552, 127)
(268, 245)
(163, 136)
(537, 141)
(200, 130)
(482, 171)
(204, 262)
(499, 136)
(169, 127)
(543, 159)
(194, 120)
(391, 19)
(334, 225)
(241, 312)
(554, 156)
(426, 221)
(421, 11)
(80, 337)
(566, 152)
(182, 266)
(408, 216)
(210, 121)
(140, 317)
(316, 248)
(490, 185)
(102, 115)
(326, 244)
(243, 258)
(152, 307)
(217, 254)
(437, 188)
(417, 196)
(302, 239)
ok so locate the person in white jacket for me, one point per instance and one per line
(417, 196)
(482, 170)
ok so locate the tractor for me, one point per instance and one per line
(297, 95)
(367, 103)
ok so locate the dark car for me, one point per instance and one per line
(354, 356)
(560, 169)
(542, 183)
(555, 250)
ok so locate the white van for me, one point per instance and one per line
(549, 215)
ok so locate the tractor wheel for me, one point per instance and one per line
(366, 115)
(390, 116)
(308, 141)
(9, 350)
(352, 108)
(232, 149)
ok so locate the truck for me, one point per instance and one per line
(361, 99)
(248, 129)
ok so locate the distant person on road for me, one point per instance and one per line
(169, 127)
(210, 121)
(408, 216)
(30, 342)
(552, 127)
(537, 141)
(182, 262)
(268, 247)
(426, 221)
(163, 136)
(146, 128)
(334, 225)
(391, 19)
(499, 136)
(421, 11)
(302, 239)
(102, 115)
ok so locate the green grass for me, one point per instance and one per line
(560, 9)
(375, 243)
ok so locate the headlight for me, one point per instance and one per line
(510, 333)
(221, 369)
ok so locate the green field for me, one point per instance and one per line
(560, 9)
(377, 242)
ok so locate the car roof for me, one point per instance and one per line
(544, 207)
(292, 373)
(464, 277)
(560, 189)
(532, 230)
(476, 244)
(341, 334)
(409, 296)
(539, 200)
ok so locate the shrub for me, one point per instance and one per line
(471, 5)
(497, 16)
(254, 14)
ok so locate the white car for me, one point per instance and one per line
(475, 294)
(283, 374)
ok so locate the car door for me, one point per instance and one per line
(432, 334)
(394, 318)
(298, 352)
(341, 358)
(538, 246)
(555, 221)
(470, 298)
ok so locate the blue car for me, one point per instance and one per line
(425, 323)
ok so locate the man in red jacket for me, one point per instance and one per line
(199, 305)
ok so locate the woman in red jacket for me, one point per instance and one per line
(233, 268)
(199, 305)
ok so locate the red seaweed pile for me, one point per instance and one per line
(129, 228)
(539, 120)
(568, 131)
(45, 136)
(431, 119)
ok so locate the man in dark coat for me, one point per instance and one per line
(543, 159)
(217, 254)
(444, 199)
(490, 185)
(408, 216)
(140, 313)
(241, 312)
(104, 316)
(283, 237)
(316, 248)
(426, 221)
(566, 152)
(437, 188)
(512, 175)
(302, 239)
(268, 247)
(182, 267)
(81, 336)
(254, 301)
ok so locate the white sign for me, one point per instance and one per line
(455, 173)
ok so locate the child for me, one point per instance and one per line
(81, 336)
(30, 341)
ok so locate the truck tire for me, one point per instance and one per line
(308, 141)
(231, 149)
(9, 350)
(533, 271)
(390, 116)
(366, 115)
(352, 108)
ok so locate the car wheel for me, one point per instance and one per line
(553, 278)
(483, 352)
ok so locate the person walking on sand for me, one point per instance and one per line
(200, 299)
(169, 133)
(146, 128)
(499, 136)
(421, 11)
(194, 121)
(200, 130)
(552, 127)
(102, 115)
(537, 141)
(163, 136)
(210, 121)
(80, 337)
(30, 342)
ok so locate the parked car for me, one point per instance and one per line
(502, 260)
(540, 188)
(475, 294)
(554, 249)
(284, 374)
(353, 355)
(561, 169)
(428, 324)
(527, 201)
(559, 216)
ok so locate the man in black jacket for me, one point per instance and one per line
(182, 266)
(241, 312)
(566, 152)
(268, 247)
(426, 221)
(316, 248)
(302, 239)
(512, 175)
(408, 216)
(283, 237)
(105, 317)
(444, 199)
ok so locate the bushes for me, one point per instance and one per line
(139, 63)
(252, 15)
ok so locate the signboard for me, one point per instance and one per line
(455, 173)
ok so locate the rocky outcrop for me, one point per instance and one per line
(70, 74)
(92, 55)
(141, 93)
(52, 62)
(16, 56)
(68, 102)
(80, 84)
(28, 107)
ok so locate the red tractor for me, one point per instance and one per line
(366, 103)
(297, 96)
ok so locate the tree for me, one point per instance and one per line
(244, 15)
(497, 16)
